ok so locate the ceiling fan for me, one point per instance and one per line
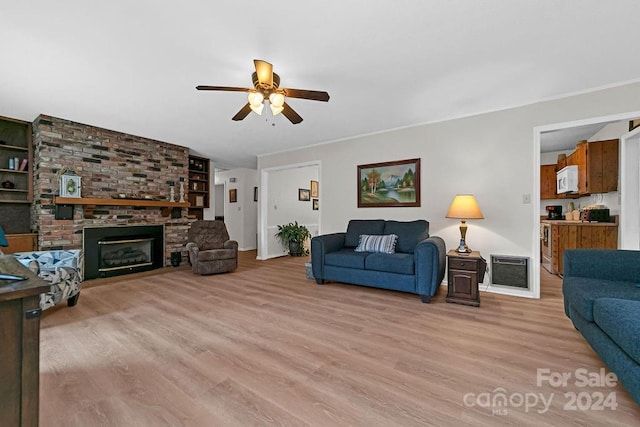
(267, 87)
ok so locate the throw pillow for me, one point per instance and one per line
(377, 243)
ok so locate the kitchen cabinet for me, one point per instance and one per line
(577, 234)
(548, 182)
(597, 166)
(198, 186)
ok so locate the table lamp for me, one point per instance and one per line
(464, 207)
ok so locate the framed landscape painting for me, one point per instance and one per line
(389, 184)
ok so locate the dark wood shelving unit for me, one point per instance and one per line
(198, 186)
(16, 185)
(16, 176)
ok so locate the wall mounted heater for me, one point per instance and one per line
(510, 271)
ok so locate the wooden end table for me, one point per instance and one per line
(464, 273)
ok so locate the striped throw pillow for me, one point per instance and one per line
(377, 243)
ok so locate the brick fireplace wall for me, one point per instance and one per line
(109, 163)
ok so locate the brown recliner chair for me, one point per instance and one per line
(210, 250)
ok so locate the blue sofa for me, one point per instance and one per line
(601, 289)
(417, 264)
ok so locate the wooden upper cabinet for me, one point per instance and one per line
(610, 165)
(573, 158)
(580, 159)
(597, 166)
(548, 182)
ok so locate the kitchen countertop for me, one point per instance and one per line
(578, 222)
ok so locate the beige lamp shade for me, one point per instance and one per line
(464, 206)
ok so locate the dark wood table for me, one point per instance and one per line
(464, 273)
(20, 349)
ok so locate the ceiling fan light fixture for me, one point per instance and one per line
(276, 99)
(255, 98)
(276, 110)
(256, 102)
(257, 108)
(276, 102)
(266, 84)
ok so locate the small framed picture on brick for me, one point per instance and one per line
(70, 186)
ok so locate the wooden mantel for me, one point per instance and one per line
(90, 203)
(119, 202)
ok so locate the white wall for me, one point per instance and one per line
(240, 217)
(551, 158)
(491, 155)
(283, 206)
(218, 202)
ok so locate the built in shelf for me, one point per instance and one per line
(13, 171)
(119, 202)
(13, 147)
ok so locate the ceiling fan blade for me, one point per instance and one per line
(224, 88)
(264, 70)
(244, 112)
(290, 114)
(314, 95)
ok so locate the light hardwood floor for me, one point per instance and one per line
(265, 346)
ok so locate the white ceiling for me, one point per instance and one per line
(566, 139)
(132, 66)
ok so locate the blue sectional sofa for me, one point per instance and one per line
(601, 291)
(416, 264)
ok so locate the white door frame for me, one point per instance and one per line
(629, 230)
(263, 250)
(537, 131)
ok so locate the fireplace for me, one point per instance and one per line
(123, 254)
(112, 251)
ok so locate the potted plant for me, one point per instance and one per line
(293, 235)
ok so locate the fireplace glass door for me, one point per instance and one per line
(124, 254)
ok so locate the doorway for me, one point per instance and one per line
(626, 175)
(218, 207)
(280, 203)
(629, 231)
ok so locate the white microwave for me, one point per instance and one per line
(567, 179)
